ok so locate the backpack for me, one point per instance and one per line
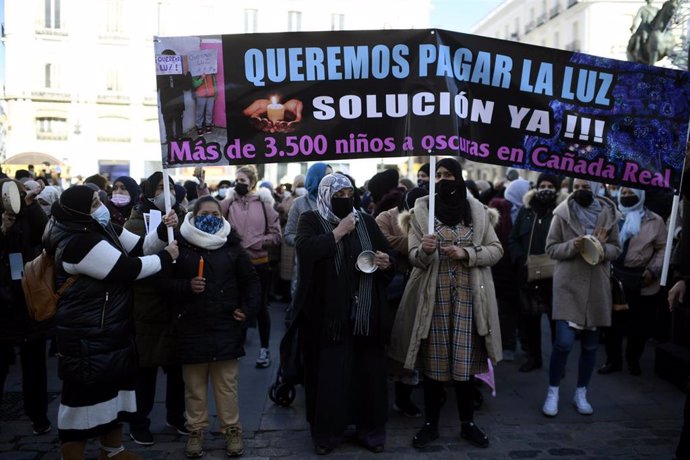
(38, 284)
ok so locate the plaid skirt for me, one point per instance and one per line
(453, 349)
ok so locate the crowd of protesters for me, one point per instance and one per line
(376, 295)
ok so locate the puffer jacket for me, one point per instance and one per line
(205, 328)
(95, 341)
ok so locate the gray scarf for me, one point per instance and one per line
(587, 216)
(361, 310)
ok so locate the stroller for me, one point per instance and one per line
(291, 369)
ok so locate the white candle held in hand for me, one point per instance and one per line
(276, 111)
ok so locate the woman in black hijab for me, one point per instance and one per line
(450, 300)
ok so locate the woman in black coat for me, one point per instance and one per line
(213, 299)
(343, 318)
(528, 237)
(95, 337)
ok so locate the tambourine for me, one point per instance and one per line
(365, 262)
(11, 199)
(592, 251)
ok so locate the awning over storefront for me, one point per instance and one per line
(32, 158)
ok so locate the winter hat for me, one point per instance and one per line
(549, 178)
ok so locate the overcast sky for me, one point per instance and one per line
(460, 15)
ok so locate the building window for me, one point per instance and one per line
(113, 81)
(337, 21)
(294, 21)
(51, 127)
(114, 16)
(250, 20)
(51, 14)
(51, 78)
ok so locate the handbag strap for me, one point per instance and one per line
(531, 235)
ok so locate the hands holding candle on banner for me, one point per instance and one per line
(272, 116)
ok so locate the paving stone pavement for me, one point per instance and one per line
(634, 418)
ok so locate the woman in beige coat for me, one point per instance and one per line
(581, 292)
(447, 322)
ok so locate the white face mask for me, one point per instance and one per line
(159, 201)
(300, 191)
(222, 192)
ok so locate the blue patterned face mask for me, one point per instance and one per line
(208, 223)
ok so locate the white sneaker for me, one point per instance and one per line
(581, 403)
(550, 408)
(264, 359)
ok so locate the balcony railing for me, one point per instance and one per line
(529, 27)
(112, 99)
(572, 3)
(515, 36)
(541, 20)
(51, 95)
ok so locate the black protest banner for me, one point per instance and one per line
(370, 94)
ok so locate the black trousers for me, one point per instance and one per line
(173, 125)
(639, 324)
(263, 317)
(433, 393)
(32, 354)
(146, 395)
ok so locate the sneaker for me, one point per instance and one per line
(581, 403)
(40, 428)
(550, 408)
(264, 359)
(199, 131)
(195, 445)
(233, 441)
(141, 436)
(209, 129)
(424, 436)
(474, 435)
(178, 426)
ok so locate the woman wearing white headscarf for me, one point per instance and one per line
(581, 292)
(47, 197)
(514, 193)
(643, 238)
(343, 318)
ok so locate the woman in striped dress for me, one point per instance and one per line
(95, 342)
(447, 322)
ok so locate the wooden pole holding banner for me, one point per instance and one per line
(168, 202)
(432, 193)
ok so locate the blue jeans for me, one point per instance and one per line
(565, 338)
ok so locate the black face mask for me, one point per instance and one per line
(629, 201)
(241, 189)
(445, 188)
(421, 183)
(546, 195)
(342, 206)
(583, 197)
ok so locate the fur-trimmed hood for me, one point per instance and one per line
(262, 193)
(527, 198)
(405, 217)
